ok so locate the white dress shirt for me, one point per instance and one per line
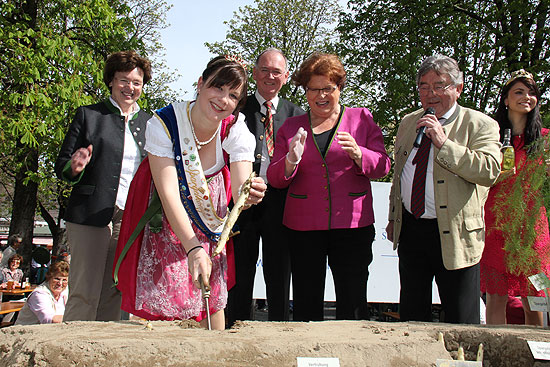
(130, 160)
(407, 176)
(265, 155)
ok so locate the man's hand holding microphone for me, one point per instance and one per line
(429, 124)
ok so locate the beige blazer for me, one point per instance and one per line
(464, 168)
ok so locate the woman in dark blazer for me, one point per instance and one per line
(327, 158)
(99, 156)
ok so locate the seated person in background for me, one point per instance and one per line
(14, 241)
(46, 304)
(12, 271)
(13, 274)
(40, 260)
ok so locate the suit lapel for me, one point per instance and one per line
(279, 118)
(258, 127)
(253, 116)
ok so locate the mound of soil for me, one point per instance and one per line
(254, 343)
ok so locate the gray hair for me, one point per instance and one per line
(272, 49)
(441, 65)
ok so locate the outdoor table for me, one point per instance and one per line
(16, 291)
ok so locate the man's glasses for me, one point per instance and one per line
(275, 72)
(439, 89)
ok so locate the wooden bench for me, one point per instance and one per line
(9, 307)
(12, 306)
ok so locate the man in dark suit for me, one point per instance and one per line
(99, 157)
(265, 219)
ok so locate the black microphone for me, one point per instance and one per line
(418, 140)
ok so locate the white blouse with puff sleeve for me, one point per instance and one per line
(239, 144)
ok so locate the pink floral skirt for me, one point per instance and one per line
(164, 286)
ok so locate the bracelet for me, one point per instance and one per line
(194, 248)
(294, 163)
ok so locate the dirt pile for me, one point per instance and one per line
(256, 343)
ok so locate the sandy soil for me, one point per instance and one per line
(256, 343)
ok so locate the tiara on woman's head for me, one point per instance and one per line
(236, 58)
(519, 74)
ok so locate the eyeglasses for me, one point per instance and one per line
(275, 72)
(325, 91)
(439, 89)
(135, 83)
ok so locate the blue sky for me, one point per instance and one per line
(192, 23)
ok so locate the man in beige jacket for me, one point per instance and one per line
(438, 224)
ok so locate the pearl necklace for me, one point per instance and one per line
(200, 143)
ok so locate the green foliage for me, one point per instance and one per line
(52, 62)
(296, 27)
(383, 43)
(518, 213)
(43, 73)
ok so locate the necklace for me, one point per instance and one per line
(200, 143)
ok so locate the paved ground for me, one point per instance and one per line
(260, 314)
(377, 311)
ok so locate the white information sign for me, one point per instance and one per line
(540, 350)
(453, 363)
(538, 303)
(318, 362)
(540, 281)
(383, 284)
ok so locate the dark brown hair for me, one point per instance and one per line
(60, 267)
(125, 61)
(220, 71)
(15, 257)
(534, 122)
(319, 63)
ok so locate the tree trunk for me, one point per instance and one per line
(58, 233)
(24, 202)
(25, 190)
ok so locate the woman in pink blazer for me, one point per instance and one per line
(327, 158)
